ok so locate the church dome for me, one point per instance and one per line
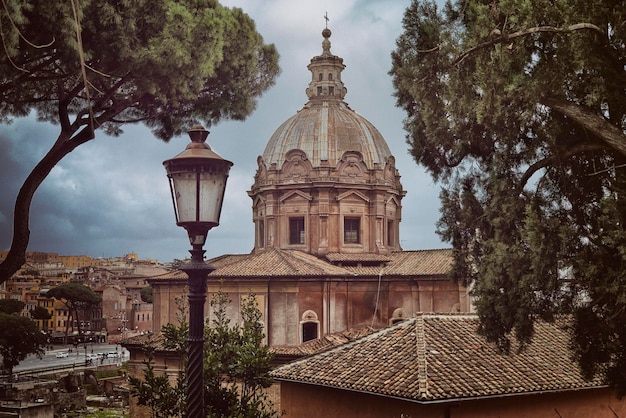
(326, 127)
(324, 131)
(327, 182)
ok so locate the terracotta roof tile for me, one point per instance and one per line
(411, 263)
(275, 263)
(361, 257)
(321, 344)
(289, 263)
(441, 357)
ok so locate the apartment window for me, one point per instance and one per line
(351, 230)
(296, 230)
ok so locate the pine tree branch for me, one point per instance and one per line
(537, 29)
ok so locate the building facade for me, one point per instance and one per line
(326, 207)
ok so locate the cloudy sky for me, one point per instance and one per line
(110, 196)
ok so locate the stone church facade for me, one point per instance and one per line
(326, 207)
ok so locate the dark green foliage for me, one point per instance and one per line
(11, 306)
(517, 108)
(237, 362)
(42, 314)
(146, 294)
(19, 337)
(155, 390)
(39, 312)
(236, 366)
(76, 297)
(166, 64)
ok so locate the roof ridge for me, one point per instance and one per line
(423, 250)
(308, 259)
(283, 256)
(422, 365)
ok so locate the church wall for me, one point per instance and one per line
(441, 296)
(338, 307)
(402, 301)
(164, 296)
(283, 323)
(335, 305)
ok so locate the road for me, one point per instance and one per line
(76, 357)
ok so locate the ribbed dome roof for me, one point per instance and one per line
(326, 127)
(324, 131)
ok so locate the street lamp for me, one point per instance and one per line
(197, 178)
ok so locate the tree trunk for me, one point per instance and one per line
(21, 213)
(599, 127)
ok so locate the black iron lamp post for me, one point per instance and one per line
(197, 179)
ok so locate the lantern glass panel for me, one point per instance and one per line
(184, 188)
(212, 185)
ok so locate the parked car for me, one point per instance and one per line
(62, 354)
(92, 356)
(113, 354)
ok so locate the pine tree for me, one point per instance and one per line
(517, 108)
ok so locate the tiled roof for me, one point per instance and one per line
(289, 263)
(360, 257)
(156, 340)
(411, 263)
(442, 357)
(275, 263)
(321, 344)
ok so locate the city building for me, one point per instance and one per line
(326, 207)
(436, 365)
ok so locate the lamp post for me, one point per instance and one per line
(197, 178)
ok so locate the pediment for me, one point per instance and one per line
(258, 201)
(353, 194)
(294, 194)
(393, 200)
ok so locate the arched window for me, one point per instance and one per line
(309, 326)
(398, 316)
(320, 77)
(330, 76)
